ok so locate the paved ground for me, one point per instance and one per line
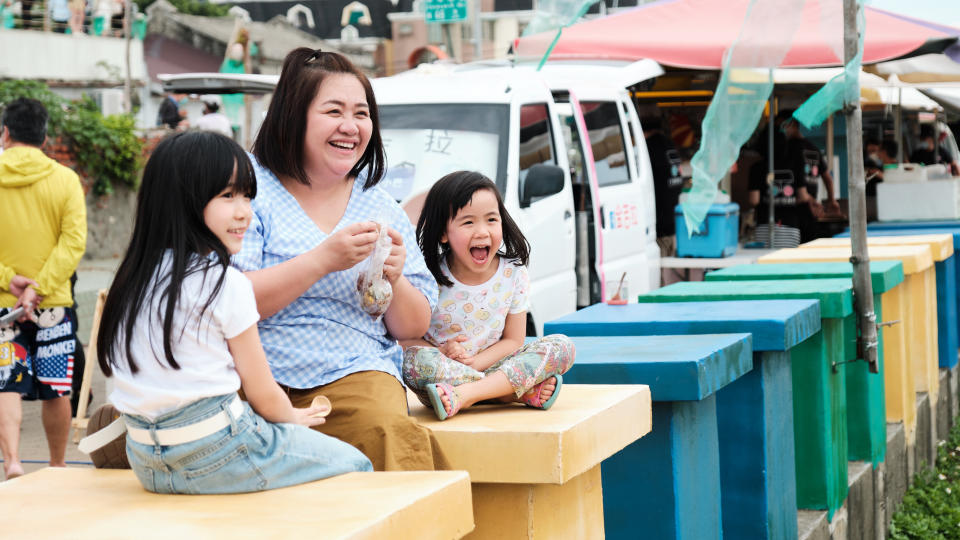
(92, 275)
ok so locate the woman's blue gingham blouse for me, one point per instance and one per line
(323, 336)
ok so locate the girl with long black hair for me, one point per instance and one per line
(179, 335)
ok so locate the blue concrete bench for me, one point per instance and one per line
(754, 412)
(667, 484)
(818, 380)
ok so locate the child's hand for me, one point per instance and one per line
(393, 266)
(454, 351)
(350, 245)
(309, 416)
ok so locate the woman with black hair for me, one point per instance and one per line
(319, 158)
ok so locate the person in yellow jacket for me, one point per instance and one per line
(43, 233)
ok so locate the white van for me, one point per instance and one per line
(586, 209)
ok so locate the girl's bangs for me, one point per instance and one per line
(245, 181)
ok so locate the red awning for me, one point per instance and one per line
(696, 33)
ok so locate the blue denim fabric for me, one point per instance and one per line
(251, 454)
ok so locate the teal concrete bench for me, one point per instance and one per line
(867, 393)
(819, 382)
(667, 484)
(754, 412)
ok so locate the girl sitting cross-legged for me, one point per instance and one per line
(474, 350)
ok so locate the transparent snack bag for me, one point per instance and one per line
(373, 290)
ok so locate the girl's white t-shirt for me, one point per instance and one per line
(479, 311)
(199, 345)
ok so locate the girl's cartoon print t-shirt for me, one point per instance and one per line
(479, 311)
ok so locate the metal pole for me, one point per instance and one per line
(127, 82)
(770, 218)
(898, 126)
(862, 287)
(477, 32)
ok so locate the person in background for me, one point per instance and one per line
(807, 163)
(667, 182)
(43, 217)
(60, 14)
(170, 114)
(213, 119)
(78, 10)
(929, 152)
(879, 155)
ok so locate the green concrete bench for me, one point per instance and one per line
(866, 423)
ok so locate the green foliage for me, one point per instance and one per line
(191, 7)
(107, 148)
(931, 507)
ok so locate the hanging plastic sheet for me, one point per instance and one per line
(840, 90)
(556, 15)
(741, 95)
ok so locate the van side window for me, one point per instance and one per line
(536, 139)
(606, 139)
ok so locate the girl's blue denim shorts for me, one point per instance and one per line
(251, 454)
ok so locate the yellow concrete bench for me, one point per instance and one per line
(536, 474)
(105, 504)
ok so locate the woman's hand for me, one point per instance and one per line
(350, 245)
(393, 266)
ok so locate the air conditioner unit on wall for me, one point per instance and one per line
(110, 101)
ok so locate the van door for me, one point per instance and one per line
(623, 222)
(547, 222)
(643, 173)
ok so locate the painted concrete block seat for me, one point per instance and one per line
(919, 298)
(948, 288)
(941, 249)
(754, 412)
(866, 421)
(667, 484)
(102, 504)
(819, 388)
(536, 474)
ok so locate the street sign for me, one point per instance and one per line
(442, 11)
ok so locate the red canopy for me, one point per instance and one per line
(696, 33)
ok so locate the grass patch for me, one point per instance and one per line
(931, 507)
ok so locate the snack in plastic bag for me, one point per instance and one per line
(375, 292)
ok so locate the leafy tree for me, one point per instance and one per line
(107, 147)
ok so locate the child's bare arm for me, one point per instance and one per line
(514, 331)
(416, 342)
(262, 391)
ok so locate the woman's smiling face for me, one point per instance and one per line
(338, 126)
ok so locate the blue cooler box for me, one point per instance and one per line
(717, 236)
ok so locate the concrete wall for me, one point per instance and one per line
(50, 56)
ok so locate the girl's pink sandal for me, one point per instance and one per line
(532, 397)
(433, 390)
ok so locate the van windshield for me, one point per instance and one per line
(426, 141)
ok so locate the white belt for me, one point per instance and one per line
(193, 432)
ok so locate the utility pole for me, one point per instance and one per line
(862, 287)
(127, 30)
